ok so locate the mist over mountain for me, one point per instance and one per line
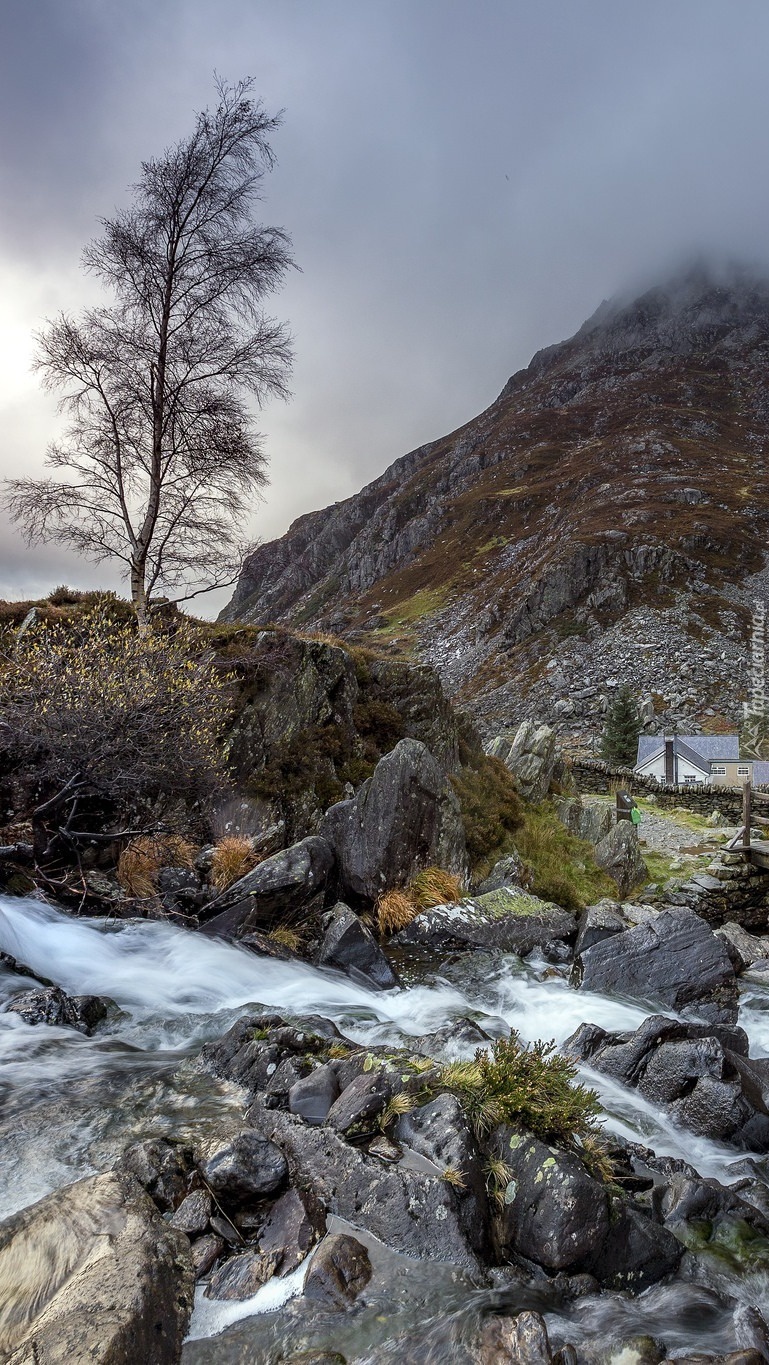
(600, 522)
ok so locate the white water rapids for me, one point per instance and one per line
(69, 1103)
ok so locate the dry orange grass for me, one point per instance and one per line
(232, 858)
(142, 859)
(394, 910)
(433, 886)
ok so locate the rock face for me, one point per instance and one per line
(410, 1212)
(289, 881)
(597, 500)
(350, 947)
(508, 920)
(313, 716)
(531, 757)
(619, 855)
(672, 958)
(92, 1273)
(405, 817)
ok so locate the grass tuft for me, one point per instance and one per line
(232, 858)
(142, 859)
(286, 938)
(433, 886)
(394, 911)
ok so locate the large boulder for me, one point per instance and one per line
(588, 820)
(508, 920)
(530, 755)
(618, 854)
(555, 1214)
(350, 947)
(404, 817)
(407, 1210)
(673, 960)
(93, 1273)
(290, 881)
(441, 1132)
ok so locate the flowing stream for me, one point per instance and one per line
(69, 1104)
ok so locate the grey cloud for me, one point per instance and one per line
(464, 182)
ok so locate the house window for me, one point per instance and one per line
(743, 772)
(718, 770)
(689, 777)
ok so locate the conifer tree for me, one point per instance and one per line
(619, 743)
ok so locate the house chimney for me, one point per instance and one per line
(670, 763)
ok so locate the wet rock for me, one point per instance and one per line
(522, 1340)
(743, 948)
(509, 871)
(619, 855)
(698, 1073)
(673, 959)
(637, 1251)
(597, 922)
(288, 1232)
(553, 1213)
(241, 1276)
(288, 882)
(244, 1167)
(404, 817)
(360, 1104)
(440, 1131)
(312, 1097)
(530, 755)
(205, 1252)
(286, 1075)
(193, 1213)
(162, 1168)
(92, 1273)
(350, 947)
(50, 1005)
(507, 920)
(339, 1271)
(459, 1040)
(410, 1212)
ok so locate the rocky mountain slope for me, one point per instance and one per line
(604, 520)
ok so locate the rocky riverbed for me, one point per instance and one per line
(265, 1153)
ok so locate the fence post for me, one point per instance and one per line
(746, 814)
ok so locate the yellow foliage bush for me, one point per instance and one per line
(126, 716)
(232, 858)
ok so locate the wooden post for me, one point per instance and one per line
(746, 814)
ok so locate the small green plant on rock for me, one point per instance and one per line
(531, 1086)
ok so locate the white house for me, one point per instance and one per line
(673, 759)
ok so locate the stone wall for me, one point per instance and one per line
(599, 778)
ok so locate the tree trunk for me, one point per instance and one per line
(139, 596)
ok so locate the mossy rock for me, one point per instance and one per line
(508, 920)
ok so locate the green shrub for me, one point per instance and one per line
(533, 1087)
(491, 807)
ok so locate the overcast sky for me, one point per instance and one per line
(464, 182)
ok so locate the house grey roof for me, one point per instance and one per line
(710, 748)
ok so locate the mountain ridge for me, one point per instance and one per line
(621, 470)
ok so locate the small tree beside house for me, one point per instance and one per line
(619, 743)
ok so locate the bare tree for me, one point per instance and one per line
(160, 461)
